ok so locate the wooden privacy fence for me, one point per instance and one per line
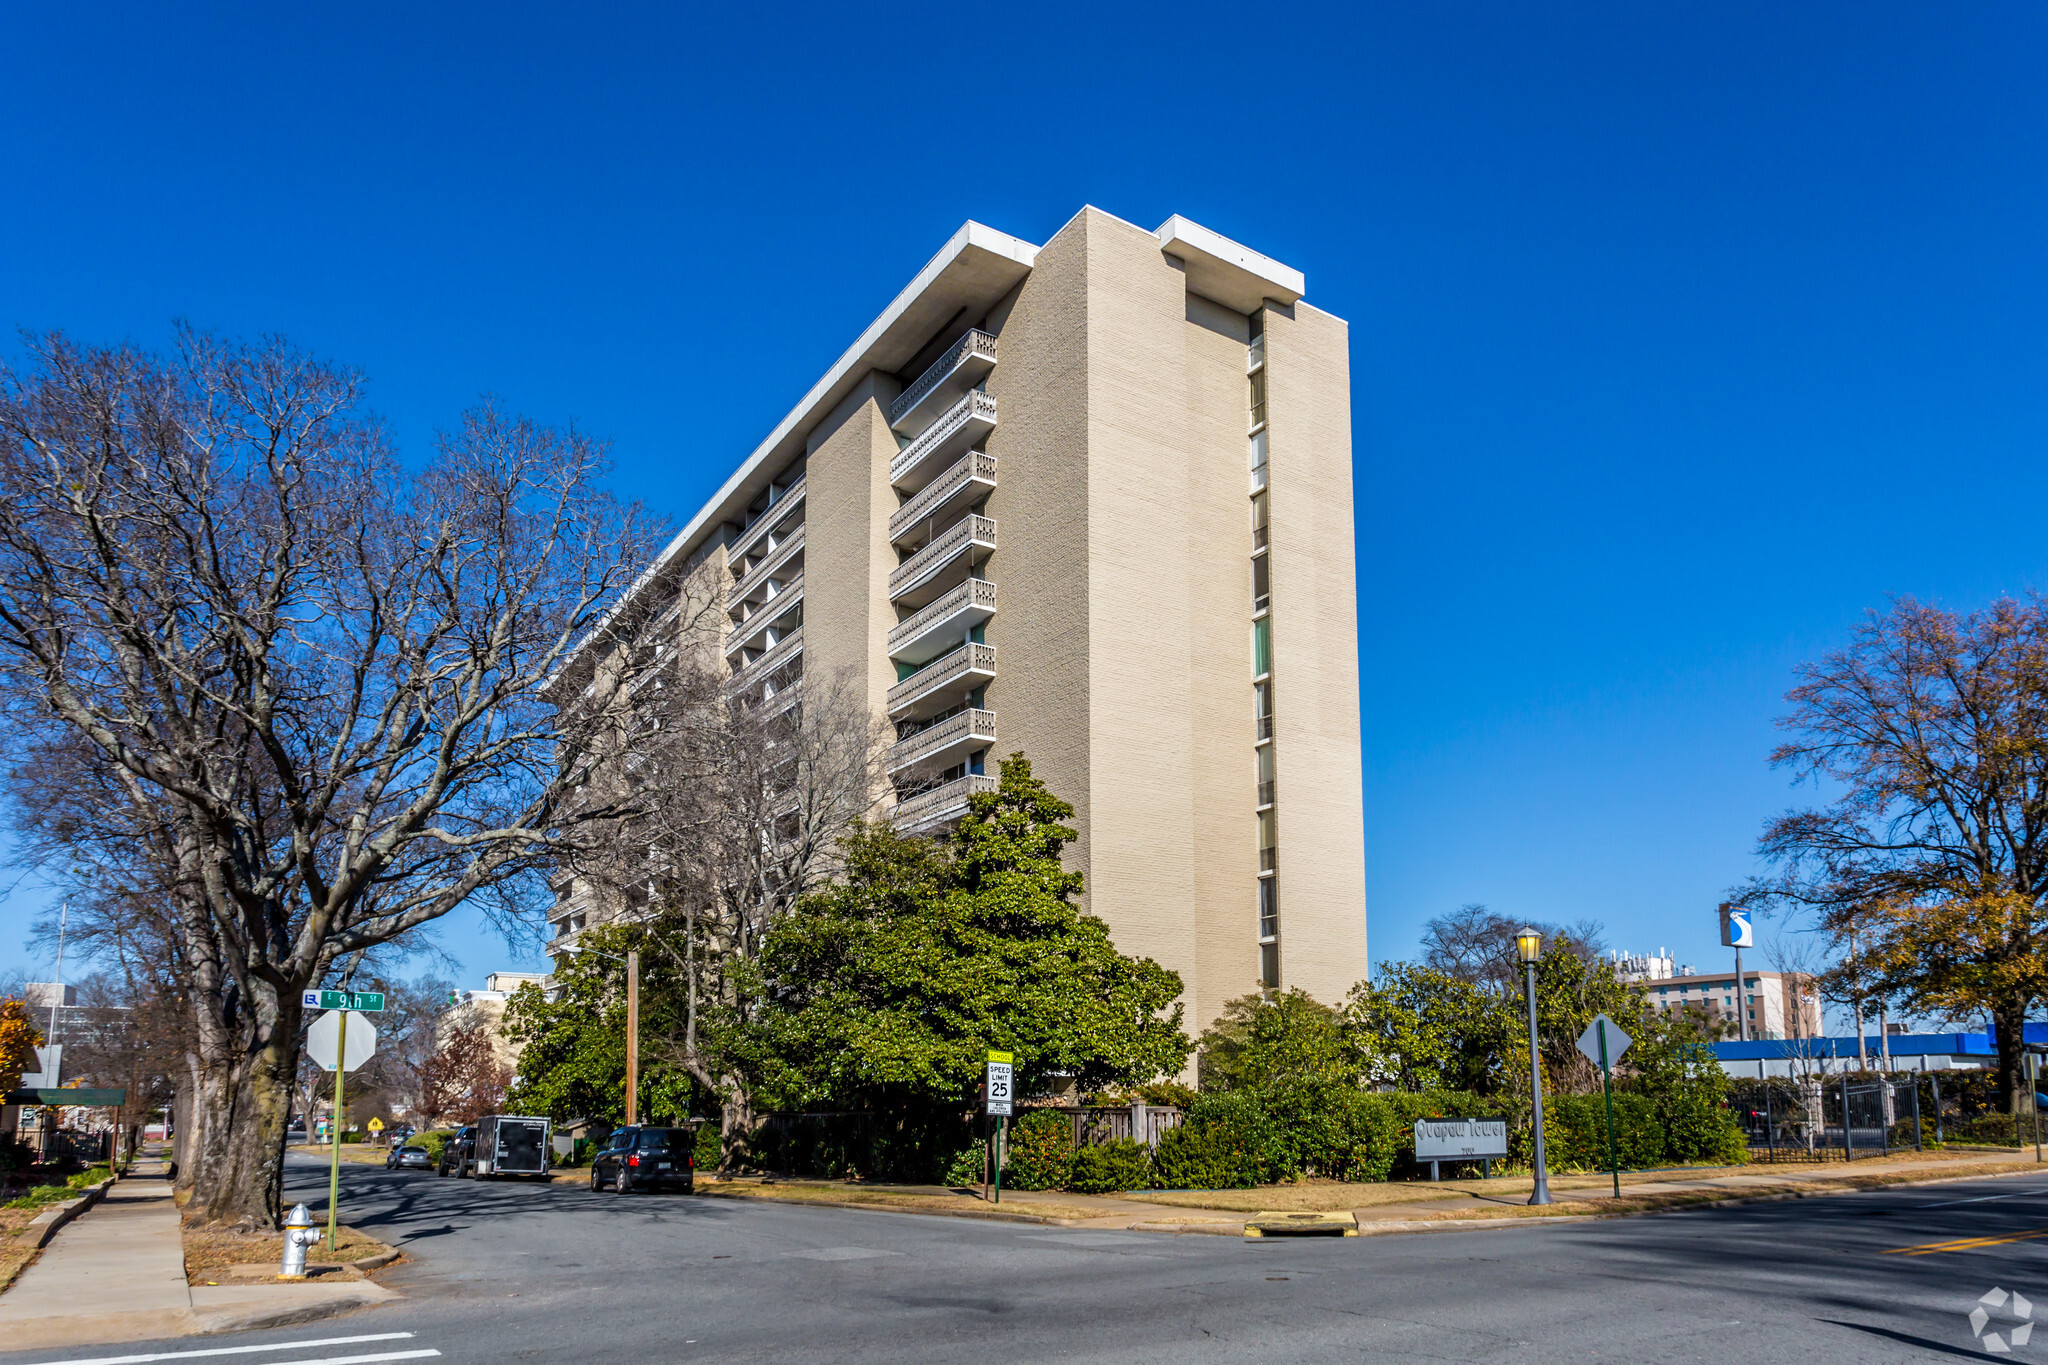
(1146, 1123)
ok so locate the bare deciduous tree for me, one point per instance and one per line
(735, 810)
(311, 674)
(1475, 945)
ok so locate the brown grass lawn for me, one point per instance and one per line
(210, 1253)
(354, 1153)
(825, 1192)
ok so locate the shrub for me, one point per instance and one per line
(1124, 1165)
(1245, 1139)
(1041, 1151)
(435, 1140)
(1985, 1130)
(1191, 1158)
(1699, 1131)
(92, 1175)
(967, 1168)
(708, 1146)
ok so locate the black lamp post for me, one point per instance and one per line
(1529, 943)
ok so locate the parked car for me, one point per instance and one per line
(399, 1136)
(410, 1156)
(646, 1158)
(455, 1154)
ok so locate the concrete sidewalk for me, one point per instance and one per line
(117, 1273)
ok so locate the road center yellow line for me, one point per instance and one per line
(1967, 1243)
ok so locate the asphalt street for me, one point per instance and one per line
(504, 1272)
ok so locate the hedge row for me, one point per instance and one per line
(1241, 1138)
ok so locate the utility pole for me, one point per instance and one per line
(632, 1037)
(57, 997)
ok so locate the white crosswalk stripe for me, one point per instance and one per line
(277, 1348)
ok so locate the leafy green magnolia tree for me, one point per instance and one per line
(1420, 1028)
(1260, 1039)
(573, 1062)
(886, 991)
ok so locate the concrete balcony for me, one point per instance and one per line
(778, 608)
(758, 668)
(950, 741)
(773, 565)
(942, 684)
(940, 805)
(778, 514)
(964, 426)
(951, 375)
(962, 486)
(946, 562)
(945, 624)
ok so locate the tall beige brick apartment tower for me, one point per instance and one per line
(1090, 500)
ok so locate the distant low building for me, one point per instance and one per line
(1777, 1004)
(1644, 966)
(1815, 1057)
(468, 1009)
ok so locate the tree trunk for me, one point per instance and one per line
(247, 1102)
(735, 1127)
(2009, 1018)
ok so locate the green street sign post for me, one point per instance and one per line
(999, 1104)
(1603, 1042)
(365, 1002)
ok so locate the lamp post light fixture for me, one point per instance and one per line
(1529, 943)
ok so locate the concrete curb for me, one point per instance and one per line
(38, 1233)
(985, 1215)
(249, 1318)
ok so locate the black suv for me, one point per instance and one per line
(645, 1159)
(456, 1152)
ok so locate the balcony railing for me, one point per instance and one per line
(1266, 790)
(943, 679)
(766, 615)
(778, 513)
(967, 482)
(791, 546)
(963, 427)
(973, 356)
(1265, 727)
(787, 648)
(940, 803)
(924, 575)
(953, 737)
(940, 626)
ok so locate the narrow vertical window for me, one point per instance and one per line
(1262, 646)
(1258, 521)
(1262, 584)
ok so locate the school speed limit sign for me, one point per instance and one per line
(999, 1092)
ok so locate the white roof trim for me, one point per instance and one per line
(1227, 271)
(813, 404)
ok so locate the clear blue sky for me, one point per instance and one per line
(1681, 334)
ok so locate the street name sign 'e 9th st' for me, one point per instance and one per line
(363, 1002)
